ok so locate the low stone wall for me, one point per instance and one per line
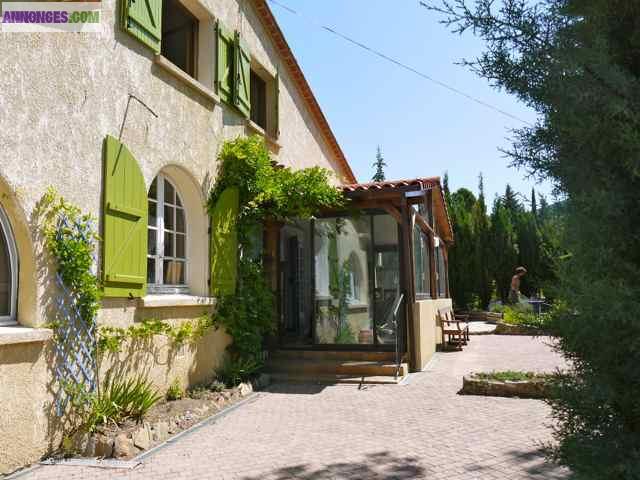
(536, 388)
(491, 317)
(506, 329)
(163, 422)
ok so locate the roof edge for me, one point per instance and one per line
(273, 29)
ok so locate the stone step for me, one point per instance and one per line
(302, 354)
(335, 367)
(335, 379)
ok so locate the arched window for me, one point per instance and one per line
(8, 272)
(167, 247)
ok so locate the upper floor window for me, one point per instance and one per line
(258, 100)
(8, 272)
(167, 238)
(264, 90)
(179, 36)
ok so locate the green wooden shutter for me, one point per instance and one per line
(225, 61)
(143, 20)
(242, 70)
(124, 270)
(224, 243)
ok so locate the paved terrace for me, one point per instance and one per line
(419, 430)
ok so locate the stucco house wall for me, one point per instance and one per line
(428, 333)
(60, 95)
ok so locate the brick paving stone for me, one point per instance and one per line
(422, 429)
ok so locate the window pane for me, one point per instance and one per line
(153, 190)
(178, 201)
(179, 220)
(344, 301)
(168, 244)
(180, 240)
(153, 216)
(152, 247)
(168, 218)
(179, 36)
(173, 272)
(5, 277)
(421, 261)
(151, 270)
(258, 100)
(169, 193)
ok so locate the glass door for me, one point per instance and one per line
(357, 280)
(386, 277)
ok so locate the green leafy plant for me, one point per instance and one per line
(119, 400)
(515, 316)
(265, 192)
(112, 339)
(237, 370)
(175, 391)
(70, 237)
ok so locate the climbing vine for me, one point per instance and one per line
(111, 339)
(71, 237)
(266, 192)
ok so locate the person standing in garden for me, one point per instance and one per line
(514, 291)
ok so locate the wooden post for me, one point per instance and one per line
(270, 259)
(407, 268)
(428, 204)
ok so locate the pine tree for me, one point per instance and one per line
(379, 176)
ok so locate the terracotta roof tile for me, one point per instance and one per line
(423, 183)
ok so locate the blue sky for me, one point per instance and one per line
(422, 128)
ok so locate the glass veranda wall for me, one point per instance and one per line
(355, 281)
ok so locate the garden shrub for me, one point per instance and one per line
(175, 391)
(235, 370)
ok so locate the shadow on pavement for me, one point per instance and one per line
(375, 466)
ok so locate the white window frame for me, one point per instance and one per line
(159, 287)
(7, 233)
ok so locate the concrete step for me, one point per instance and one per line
(354, 368)
(301, 354)
(334, 379)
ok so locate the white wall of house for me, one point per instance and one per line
(60, 95)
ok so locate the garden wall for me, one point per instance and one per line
(428, 333)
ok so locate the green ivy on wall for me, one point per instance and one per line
(266, 192)
(70, 236)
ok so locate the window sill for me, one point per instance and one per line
(184, 77)
(17, 334)
(253, 127)
(176, 300)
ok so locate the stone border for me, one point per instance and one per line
(131, 444)
(507, 329)
(536, 388)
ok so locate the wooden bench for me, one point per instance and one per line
(453, 326)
